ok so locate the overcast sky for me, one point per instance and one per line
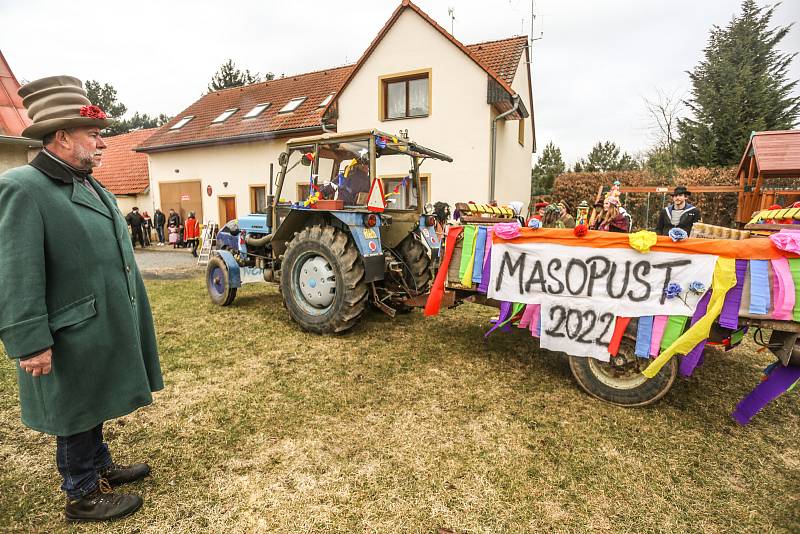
(596, 62)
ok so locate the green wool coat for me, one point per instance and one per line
(69, 280)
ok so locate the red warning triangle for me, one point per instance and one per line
(375, 201)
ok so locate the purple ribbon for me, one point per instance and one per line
(729, 317)
(505, 313)
(695, 356)
(487, 266)
(777, 382)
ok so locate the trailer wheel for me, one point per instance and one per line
(218, 283)
(322, 280)
(623, 385)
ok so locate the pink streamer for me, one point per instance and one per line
(659, 325)
(536, 317)
(525, 321)
(783, 289)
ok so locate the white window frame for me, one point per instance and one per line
(289, 107)
(257, 110)
(326, 101)
(181, 123)
(225, 115)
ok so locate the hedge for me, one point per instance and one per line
(717, 208)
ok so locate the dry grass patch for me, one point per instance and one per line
(411, 425)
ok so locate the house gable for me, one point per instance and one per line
(497, 81)
(125, 172)
(13, 118)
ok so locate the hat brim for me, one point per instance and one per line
(684, 193)
(40, 129)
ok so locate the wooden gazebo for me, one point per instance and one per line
(770, 168)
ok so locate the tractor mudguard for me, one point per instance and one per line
(234, 274)
(428, 233)
(368, 240)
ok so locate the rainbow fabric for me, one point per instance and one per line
(751, 278)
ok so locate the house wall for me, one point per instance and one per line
(459, 122)
(240, 165)
(513, 171)
(143, 202)
(12, 155)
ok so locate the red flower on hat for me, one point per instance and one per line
(93, 112)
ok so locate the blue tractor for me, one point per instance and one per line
(332, 254)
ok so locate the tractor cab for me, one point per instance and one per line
(357, 232)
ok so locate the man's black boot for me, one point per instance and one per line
(102, 505)
(122, 474)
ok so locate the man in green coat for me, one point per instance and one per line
(73, 309)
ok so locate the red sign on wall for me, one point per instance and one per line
(209, 190)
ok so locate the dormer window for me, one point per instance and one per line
(293, 104)
(256, 111)
(326, 101)
(224, 115)
(181, 123)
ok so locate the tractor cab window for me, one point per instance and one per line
(344, 172)
(399, 188)
(298, 171)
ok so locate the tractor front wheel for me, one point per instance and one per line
(218, 282)
(322, 280)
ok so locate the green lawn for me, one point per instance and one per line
(413, 425)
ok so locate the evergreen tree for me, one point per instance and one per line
(229, 75)
(740, 86)
(105, 96)
(606, 157)
(549, 165)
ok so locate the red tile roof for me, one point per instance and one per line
(777, 152)
(498, 58)
(313, 85)
(502, 56)
(407, 4)
(13, 117)
(125, 172)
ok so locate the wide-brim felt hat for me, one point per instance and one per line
(681, 190)
(57, 103)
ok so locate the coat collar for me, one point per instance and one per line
(53, 167)
(58, 170)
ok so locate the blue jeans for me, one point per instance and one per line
(80, 457)
(160, 232)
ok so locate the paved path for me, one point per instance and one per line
(166, 262)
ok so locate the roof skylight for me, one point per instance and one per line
(256, 111)
(293, 104)
(224, 115)
(326, 101)
(181, 123)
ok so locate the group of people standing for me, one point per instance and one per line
(610, 216)
(179, 233)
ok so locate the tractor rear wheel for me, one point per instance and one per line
(623, 384)
(417, 270)
(218, 282)
(322, 280)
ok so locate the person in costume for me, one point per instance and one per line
(74, 313)
(679, 214)
(191, 232)
(565, 218)
(612, 219)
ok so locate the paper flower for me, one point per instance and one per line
(535, 224)
(93, 112)
(697, 287)
(786, 240)
(673, 290)
(642, 240)
(507, 230)
(678, 234)
(580, 230)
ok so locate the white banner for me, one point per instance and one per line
(582, 289)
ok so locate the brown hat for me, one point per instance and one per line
(56, 103)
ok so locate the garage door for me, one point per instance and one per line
(182, 197)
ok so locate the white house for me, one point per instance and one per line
(472, 102)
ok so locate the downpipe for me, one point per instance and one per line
(503, 115)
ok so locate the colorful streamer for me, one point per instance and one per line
(724, 279)
(659, 325)
(694, 358)
(467, 255)
(729, 317)
(644, 333)
(780, 380)
(784, 289)
(759, 287)
(434, 302)
(794, 268)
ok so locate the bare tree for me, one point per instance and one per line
(663, 112)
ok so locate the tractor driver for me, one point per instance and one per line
(356, 181)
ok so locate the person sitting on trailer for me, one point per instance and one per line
(679, 214)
